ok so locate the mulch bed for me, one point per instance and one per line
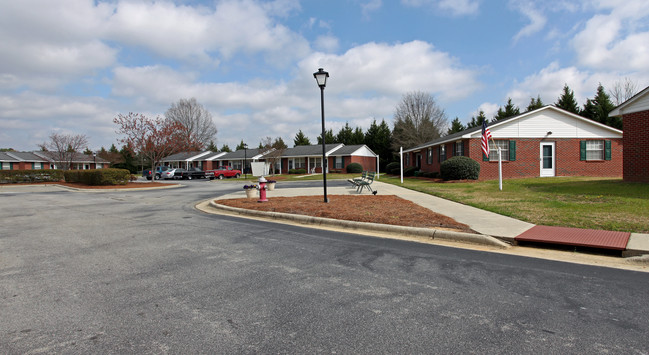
(386, 209)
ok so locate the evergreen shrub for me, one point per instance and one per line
(22, 176)
(393, 168)
(460, 168)
(98, 177)
(409, 171)
(354, 168)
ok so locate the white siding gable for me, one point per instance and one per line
(562, 125)
(364, 151)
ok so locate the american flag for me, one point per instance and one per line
(486, 135)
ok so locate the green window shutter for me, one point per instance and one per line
(582, 150)
(607, 150)
(512, 150)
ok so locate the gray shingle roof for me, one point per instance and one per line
(309, 150)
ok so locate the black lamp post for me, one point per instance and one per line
(321, 77)
(94, 156)
(245, 157)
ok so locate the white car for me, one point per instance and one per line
(168, 174)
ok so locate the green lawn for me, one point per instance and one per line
(581, 202)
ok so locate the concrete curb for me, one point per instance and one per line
(118, 189)
(386, 228)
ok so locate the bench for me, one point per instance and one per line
(365, 184)
(355, 181)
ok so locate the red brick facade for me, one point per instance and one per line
(636, 146)
(527, 161)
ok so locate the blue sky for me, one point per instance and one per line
(72, 66)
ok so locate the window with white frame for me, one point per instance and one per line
(442, 153)
(429, 156)
(300, 163)
(6, 166)
(338, 162)
(407, 159)
(594, 150)
(37, 166)
(459, 149)
(493, 150)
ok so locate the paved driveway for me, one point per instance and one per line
(144, 272)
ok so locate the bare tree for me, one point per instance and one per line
(155, 139)
(623, 90)
(275, 150)
(417, 120)
(196, 120)
(63, 147)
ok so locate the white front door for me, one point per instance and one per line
(547, 159)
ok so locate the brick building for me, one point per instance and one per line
(635, 118)
(548, 141)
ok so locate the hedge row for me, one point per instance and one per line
(297, 171)
(20, 176)
(98, 176)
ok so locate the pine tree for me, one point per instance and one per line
(329, 137)
(226, 148)
(534, 104)
(508, 111)
(301, 139)
(598, 108)
(345, 134)
(241, 145)
(379, 139)
(358, 137)
(456, 126)
(212, 147)
(477, 121)
(567, 100)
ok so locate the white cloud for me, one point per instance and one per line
(620, 32)
(370, 6)
(327, 43)
(454, 7)
(536, 18)
(380, 68)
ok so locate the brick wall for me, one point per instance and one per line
(368, 163)
(527, 163)
(636, 146)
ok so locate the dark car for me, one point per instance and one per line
(191, 173)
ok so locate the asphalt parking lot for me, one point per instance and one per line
(145, 272)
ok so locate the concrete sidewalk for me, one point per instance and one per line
(481, 221)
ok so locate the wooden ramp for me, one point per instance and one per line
(575, 236)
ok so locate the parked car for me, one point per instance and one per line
(168, 174)
(225, 172)
(191, 173)
(159, 170)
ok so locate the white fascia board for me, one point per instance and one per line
(192, 158)
(334, 149)
(626, 107)
(216, 156)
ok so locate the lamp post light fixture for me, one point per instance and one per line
(245, 157)
(321, 77)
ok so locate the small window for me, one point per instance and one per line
(594, 150)
(429, 156)
(459, 149)
(407, 159)
(442, 153)
(338, 162)
(493, 150)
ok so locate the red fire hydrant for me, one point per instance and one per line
(262, 190)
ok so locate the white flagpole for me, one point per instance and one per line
(500, 171)
(401, 162)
